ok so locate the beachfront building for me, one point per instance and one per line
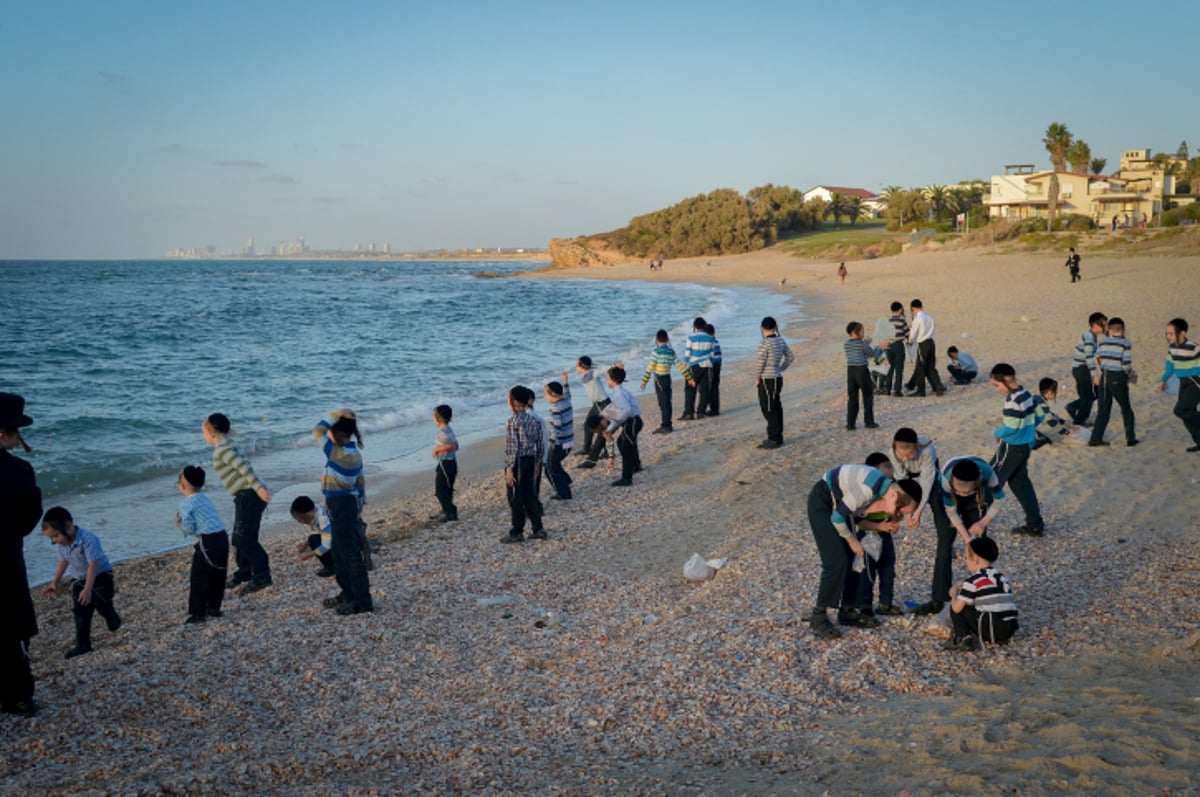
(1021, 193)
(871, 203)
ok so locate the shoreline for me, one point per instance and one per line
(588, 663)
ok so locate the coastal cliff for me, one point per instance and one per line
(580, 252)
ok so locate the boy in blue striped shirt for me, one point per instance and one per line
(1083, 368)
(1015, 437)
(198, 517)
(1114, 354)
(697, 353)
(1183, 361)
(561, 437)
(858, 378)
(662, 360)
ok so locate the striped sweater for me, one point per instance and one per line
(1021, 416)
(1115, 354)
(774, 357)
(992, 492)
(900, 323)
(235, 472)
(562, 415)
(854, 488)
(343, 474)
(698, 351)
(858, 351)
(988, 591)
(662, 359)
(1085, 353)
(1183, 361)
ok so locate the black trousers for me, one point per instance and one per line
(1081, 408)
(627, 445)
(591, 441)
(771, 406)
(925, 368)
(697, 394)
(443, 486)
(347, 548)
(560, 480)
(972, 622)
(210, 561)
(713, 405)
(1114, 386)
(1186, 408)
(858, 380)
(960, 376)
(251, 557)
(16, 678)
(943, 558)
(894, 381)
(859, 591)
(103, 589)
(326, 559)
(1011, 463)
(835, 551)
(662, 391)
(522, 496)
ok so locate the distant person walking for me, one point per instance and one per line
(1073, 264)
(842, 273)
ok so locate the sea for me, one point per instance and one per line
(121, 361)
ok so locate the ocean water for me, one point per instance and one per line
(120, 362)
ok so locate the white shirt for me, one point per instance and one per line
(921, 328)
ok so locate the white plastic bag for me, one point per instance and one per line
(872, 543)
(696, 569)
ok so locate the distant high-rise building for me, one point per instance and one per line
(249, 248)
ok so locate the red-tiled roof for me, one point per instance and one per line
(838, 189)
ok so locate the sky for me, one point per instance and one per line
(128, 129)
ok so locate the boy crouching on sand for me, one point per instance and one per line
(982, 609)
(307, 513)
(1052, 428)
(198, 517)
(81, 558)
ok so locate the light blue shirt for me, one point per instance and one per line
(198, 515)
(81, 553)
(967, 362)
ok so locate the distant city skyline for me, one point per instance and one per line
(139, 128)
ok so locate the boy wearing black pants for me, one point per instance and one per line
(1083, 368)
(1114, 353)
(858, 377)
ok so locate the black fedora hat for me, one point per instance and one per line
(12, 411)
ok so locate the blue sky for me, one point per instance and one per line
(131, 128)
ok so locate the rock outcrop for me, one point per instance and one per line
(576, 252)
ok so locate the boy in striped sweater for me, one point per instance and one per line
(1114, 356)
(894, 381)
(344, 487)
(858, 377)
(1183, 361)
(713, 407)
(1015, 437)
(524, 450)
(560, 438)
(250, 499)
(774, 357)
(1083, 368)
(982, 609)
(662, 359)
(697, 352)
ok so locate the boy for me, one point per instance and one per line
(1114, 354)
(774, 357)
(894, 381)
(593, 385)
(982, 609)
(561, 437)
(962, 367)
(343, 484)
(1183, 361)
(1052, 429)
(1015, 437)
(661, 361)
(713, 407)
(445, 451)
(307, 513)
(1083, 368)
(81, 558)
(920, 335)
(914, 457)
(198, 517)
(697, 353)
(858, 378)
(524, 451)
(1073, 264)
(860, 587)
(625, 424)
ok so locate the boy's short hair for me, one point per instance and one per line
(1097, 318)
(1002, 370)
(661, 336)
(700, 323)
(1046, 383)
(897, 307)
(916, 303)
(710, 329)
(218, 422)
(905, 435)
(194, 475)
(1116, 321)
(769, 322)
(617, 374)
(302, 505)
(985, 548)
(346, 426)
(57, 518)
(853, 327)
(910, 488)
(951, 350)
(966, 470)
(585, 361)
(444, 411)
(520, 394)
(555, 388)
(1180, 324)
(877, 458)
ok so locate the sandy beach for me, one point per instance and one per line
(586, 664)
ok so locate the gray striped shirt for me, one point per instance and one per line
(774, 357)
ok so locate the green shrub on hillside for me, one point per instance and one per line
(1173, 217)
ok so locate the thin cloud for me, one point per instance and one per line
(241, 164)
(278, 179)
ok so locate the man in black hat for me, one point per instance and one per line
(20, 510)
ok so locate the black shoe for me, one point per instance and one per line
(820, 625)
(663, 430)
(871, 426)
(622, 483)
(686, 417)
(1032, 531)
(588, 463)
(340, 599)
(540, 534)
(215, 613)
(768, 444)
(888, 610)
(22, 708)
(560, 498)
(78, 650)
(1097, 443)
(855, 618)
(195, 618)
(1132, 443)
(939, 392)
(509, 539)
(450, 518)
(255, 586)
(849, 428)
(325, 572)
(1193, 449)
(930, 607)
(115, 623)
(961, 643)
(236, 582)
(351, 608)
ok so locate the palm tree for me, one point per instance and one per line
(890, 199)
(1079, 154)
(1098, 165)
(1052, 204)
(837, 207)
(1057, 141)
(854, 208)
(938, 194)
